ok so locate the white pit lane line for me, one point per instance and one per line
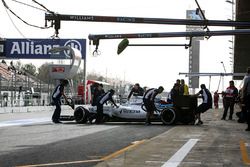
(24, 122)
(178, 157)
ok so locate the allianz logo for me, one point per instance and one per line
(73, 44)
(30, 47)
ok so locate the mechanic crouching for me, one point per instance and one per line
(148, 100)
(205, 105)
(108, 96)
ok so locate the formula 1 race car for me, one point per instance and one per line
(134, 111)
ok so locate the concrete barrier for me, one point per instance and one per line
(25, 109)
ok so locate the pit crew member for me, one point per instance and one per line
(136, 91)
(205, 105)
(56, 98)
(148, 100)
(108, 96)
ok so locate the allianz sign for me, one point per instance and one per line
(30, 48)
(38, 48)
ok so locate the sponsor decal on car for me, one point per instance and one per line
(130, 111)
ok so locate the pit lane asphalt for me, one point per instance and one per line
(216, 143)
(46, 143)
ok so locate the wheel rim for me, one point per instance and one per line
(168, 116)
(79, 114)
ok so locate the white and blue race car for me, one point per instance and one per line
(134, 111)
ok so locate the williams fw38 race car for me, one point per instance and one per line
(182, 111)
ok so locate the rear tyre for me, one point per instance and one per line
(81, 115)
(168, 116)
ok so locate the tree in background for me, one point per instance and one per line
(29, 68)
(94, 76)
(18, 65)
(43, 73)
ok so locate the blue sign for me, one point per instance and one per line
(1, 48)
(38, 48)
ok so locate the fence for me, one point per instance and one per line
(23, 92)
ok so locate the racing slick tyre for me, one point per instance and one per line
(168, 116)
(81, 115)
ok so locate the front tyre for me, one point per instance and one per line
(81, 115)
(168, 116)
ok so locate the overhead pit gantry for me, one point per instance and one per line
(242, 27)
(56, 19)
(97, 37)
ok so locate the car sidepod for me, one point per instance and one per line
(130, 112)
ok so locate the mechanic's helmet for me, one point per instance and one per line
(160, 89)
(65, 82)
(112, 91)
(137, 84)
(203, 86)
